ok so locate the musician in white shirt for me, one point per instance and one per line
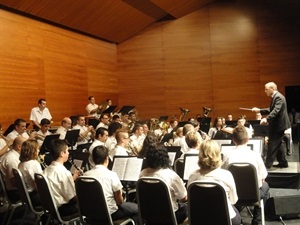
(40, 112)
(66, 125)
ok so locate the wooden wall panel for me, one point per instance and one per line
(220, 57)
(43, 61)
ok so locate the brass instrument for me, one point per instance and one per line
(154, 123)
(102, 107)
(164, 125)
(206, 111)
(42, 162)
(183, 113)
(40, 137)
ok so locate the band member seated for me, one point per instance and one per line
(60, 180)
(20, 130)
(43, 131)
(66, 125)
(86, 133)
(121, 148)
(38, 113)
(111, 141)
(4, 143)
(100, 139)
(137, 137)
(104, 121)
(29, 166)
(10, 160)
(112, 187)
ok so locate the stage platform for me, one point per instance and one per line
(286, 177)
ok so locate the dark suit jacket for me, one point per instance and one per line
(278, 117)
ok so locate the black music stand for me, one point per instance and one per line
(204, 120)
(46, 146)
(163, 118)
(109, 110)
(231, 123)
(71, 138)
(182, 123)
(260, 130)
(126, 109)
(175, 149)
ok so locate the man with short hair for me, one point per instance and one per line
(104, 121)
(242, 154)
(86, 134)
(92, 108)
(20, 130)
(121, 148)
(66, 125)
(60, 180)
(43, 131)
(38, 113)
(100, 139)
(112, 187)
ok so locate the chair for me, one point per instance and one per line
(245, 178)
(11, 207)
(154, 202)
(48, 202)
(179, 167)
(92, 203)
(25, 198)
(207, 204)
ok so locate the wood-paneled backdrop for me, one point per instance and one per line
(219, 56)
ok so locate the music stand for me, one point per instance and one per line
(231, 123)
(176, 150)
(71, 138)
(204, 120)
(46, 146)
(110, 109)
(9, 129)
(126, 109)
(182, 123)
(260, 130)
(163, 118)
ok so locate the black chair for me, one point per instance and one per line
(207, 204)
(245, 177)
(10, 207)
(92, 203)
(25, 198)
(48, 203)
(154, 210)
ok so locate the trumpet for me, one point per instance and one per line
(40, 137)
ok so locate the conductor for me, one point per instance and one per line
(278, 120)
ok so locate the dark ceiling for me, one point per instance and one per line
(110, 20)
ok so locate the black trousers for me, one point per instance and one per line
(276, 148)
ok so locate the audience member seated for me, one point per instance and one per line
(210, 171)
(112, 187)
(158, 165)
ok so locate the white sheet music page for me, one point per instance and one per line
(191, 164)
(172, 156)
(127, 168)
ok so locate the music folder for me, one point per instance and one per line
(46, 146)
(260, 130)
(72, 136)
(163, 118)
(190, 162)
(174, 153)
(126, 109)
(127, 168)
(110, 109)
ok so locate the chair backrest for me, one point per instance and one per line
(46, 196)
(23, 192)
(245, 178)
(91, 201)
(2, 186)
(154, 202)
(207, 204)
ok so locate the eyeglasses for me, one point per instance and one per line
(105, 118)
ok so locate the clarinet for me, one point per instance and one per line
(76, 167)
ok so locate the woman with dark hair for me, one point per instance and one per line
(29, 166)
(210, 171)
(158, 165)
(150, 140)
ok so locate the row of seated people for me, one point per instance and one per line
(157, 165)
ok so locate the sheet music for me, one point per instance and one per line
(127, 168)
(190, 165)
(172, 156)
(78, 163)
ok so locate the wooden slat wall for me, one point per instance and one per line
(220, 57)
(42, 61)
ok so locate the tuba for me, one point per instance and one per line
(183, 113)
(206, 111)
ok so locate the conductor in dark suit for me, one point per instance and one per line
(278, 120)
